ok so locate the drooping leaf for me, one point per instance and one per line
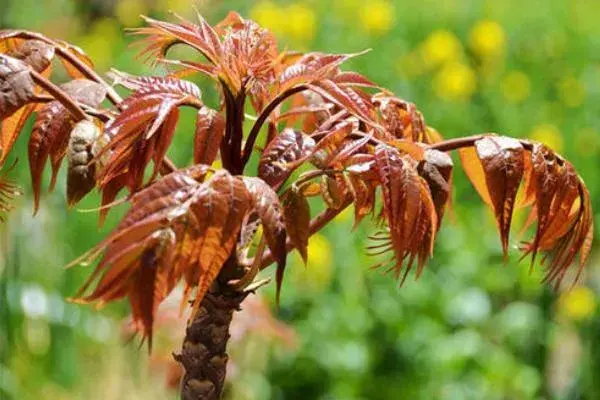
(210, 128)
(502, 161)
(52, 128)
(16, 85)
(296, 212)
(35, 53)
(363, 195)
(287, 147)
(141, 255)
(436, 169)
(408, 209)
(562, 210)
(266, 204)
(143, 130)
(220, 209)
(10, 127)
(474, 170)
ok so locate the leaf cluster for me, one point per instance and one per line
(325, 133)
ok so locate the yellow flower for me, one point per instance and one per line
(301, 22)
(377, 16)
(440, 47)
(455, 81)
(578, 303)
(487, 39)
(318, 273)
(549, 135)
(270, 15)
(571, 92)
(516, 86)
(319, 251)
(128, 11)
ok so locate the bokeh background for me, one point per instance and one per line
(472, 327)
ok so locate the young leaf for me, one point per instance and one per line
(35, 53)
(220, 208)
(436, 169)
(408, 208)
(266, 204)
(210, 128)
(143, 130)
(16, 85)
(563, 212)
(502, 161)
(286, 148)
(51, 131)
(296, 212)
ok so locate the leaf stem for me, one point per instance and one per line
(59, 95)
(459, 143)
(82, 67)
(263, 117)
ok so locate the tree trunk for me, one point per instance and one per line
(203, 354)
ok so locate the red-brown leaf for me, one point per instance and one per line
(408, 209)
(286, 148)
(35, 53)
(51, 131)
(220, 209)
(210, 128)
(16, 85)
(266, 204)
(144, 129)
(436, 169)
(296, 212)
(503, 165)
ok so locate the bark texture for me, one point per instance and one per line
(203, 354)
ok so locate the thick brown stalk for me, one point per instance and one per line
(204, 350)
(203, 354)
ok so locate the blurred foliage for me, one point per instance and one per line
(470, 328)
